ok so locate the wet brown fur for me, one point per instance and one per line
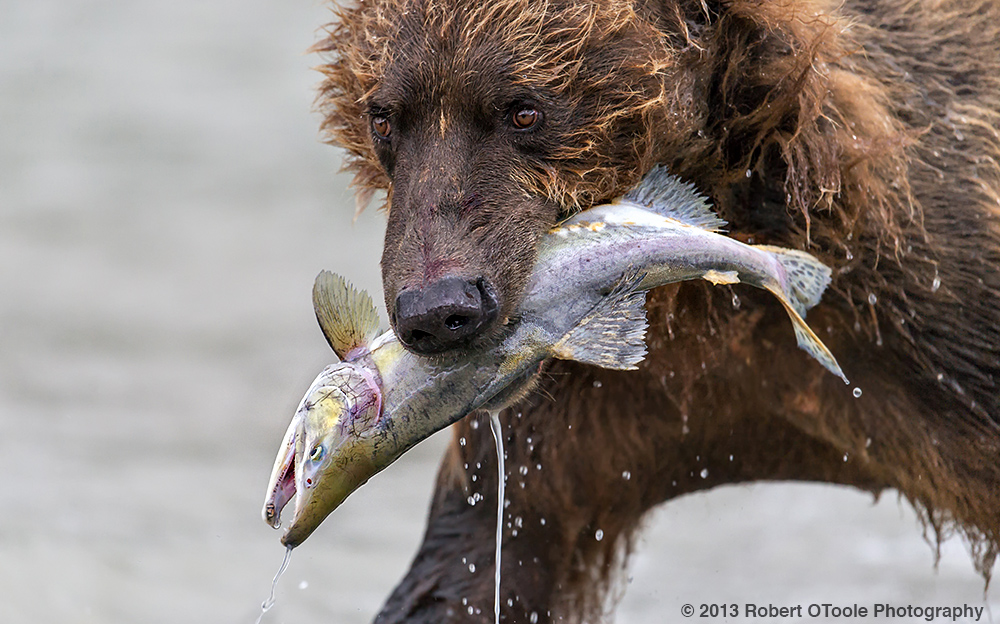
(866, 133)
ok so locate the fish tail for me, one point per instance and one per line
(807, 276)
(807, 339)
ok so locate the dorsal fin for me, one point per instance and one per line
(611, 335)
(669, 196)
(346, 315)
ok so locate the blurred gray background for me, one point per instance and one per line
(165, 203)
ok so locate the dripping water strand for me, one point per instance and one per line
(267, 604)
(501, 475)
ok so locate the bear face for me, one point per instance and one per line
(484, 138)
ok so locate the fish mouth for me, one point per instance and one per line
(281, 488)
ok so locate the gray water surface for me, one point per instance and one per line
(165, 204)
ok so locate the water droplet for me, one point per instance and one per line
(626, 475)
(749, 173)
(472, 501)
(872, 299)
(518, 522)
(510, 602)
(474, 424)
(471, 610)
(857, 392)
(845, 456)
(461, 441)
(475, 478)
(523, 470)
(303, 584)
(868, 442)
(599, 535)
(267, 604)
(850, 256)
(940, 376)
(597, 383)
(533, 618)
(542, 521)
(704, 473)
(538, 466)
(472, 568)
(736, 302)
(730, 458)
(936, 283)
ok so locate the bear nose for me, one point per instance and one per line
(445, 314)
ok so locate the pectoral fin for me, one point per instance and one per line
(611, 335)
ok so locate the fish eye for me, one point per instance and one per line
(525, 117)
(317, 453)
(381, 126)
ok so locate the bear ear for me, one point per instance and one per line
(613, 334)
(346, 315)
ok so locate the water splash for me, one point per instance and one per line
(501, 474)
(267, 604)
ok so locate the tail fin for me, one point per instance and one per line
(807, 276)
(807, 279)
(807, 340)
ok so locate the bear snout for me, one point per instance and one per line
(446, 314)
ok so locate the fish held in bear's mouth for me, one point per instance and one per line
(584, 302)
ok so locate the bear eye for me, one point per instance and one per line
(525, 118)
(381, 126)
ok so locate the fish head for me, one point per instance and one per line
(330, 448)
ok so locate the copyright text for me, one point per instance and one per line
(827, 611)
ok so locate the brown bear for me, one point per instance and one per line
(865, 132)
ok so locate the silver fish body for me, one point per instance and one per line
(584, 302)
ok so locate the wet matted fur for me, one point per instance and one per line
(863, 132)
